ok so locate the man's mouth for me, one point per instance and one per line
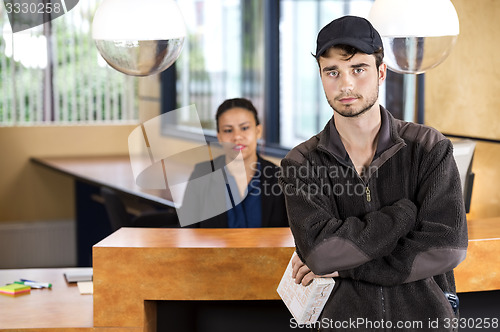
(238, 147)
(347, 100)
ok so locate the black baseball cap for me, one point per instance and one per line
(349, 30)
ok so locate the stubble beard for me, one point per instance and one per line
(349, 111)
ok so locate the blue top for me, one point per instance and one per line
(247, 214)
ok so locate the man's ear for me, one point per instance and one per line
(382, 73)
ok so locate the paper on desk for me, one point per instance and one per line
(85, 287)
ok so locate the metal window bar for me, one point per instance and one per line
(3, 73)
(58, 96)
(38, 99)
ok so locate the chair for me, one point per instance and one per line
(119, 217)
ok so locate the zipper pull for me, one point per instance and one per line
(368, 195)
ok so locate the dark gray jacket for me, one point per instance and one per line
(394, 234)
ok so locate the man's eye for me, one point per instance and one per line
(245, 128)
(359, 70)
(227, 131)
(333, 73)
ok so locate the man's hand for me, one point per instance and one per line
(303, 274)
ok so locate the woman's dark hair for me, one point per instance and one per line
(236, 102)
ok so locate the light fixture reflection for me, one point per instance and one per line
(139, 37)
(417, 34)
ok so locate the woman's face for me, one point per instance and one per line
(237, 126)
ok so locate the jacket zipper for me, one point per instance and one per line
(367, 188)
(368, 193)
(382, 301)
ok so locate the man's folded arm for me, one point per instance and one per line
(439, 241)
(327, 244)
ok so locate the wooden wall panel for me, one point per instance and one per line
(29, 192)
(462, 93)
(462, 97)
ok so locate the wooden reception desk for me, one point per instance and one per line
(133, 268)
(480, 271)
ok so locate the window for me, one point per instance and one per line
(222, 57)
(53, 74)
(260, 50)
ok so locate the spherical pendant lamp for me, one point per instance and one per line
(417, 34)
(139, 37)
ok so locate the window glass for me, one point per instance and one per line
(222, 56)
(53, 74)
(304, 110)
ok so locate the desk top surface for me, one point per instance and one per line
(484, 229)
(111, 171)
(479, 230)
(62, 306)
(199, 238)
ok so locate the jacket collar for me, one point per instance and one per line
(329, 138)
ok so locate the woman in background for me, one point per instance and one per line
(253, 196)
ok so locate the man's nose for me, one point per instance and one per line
(346, 83)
